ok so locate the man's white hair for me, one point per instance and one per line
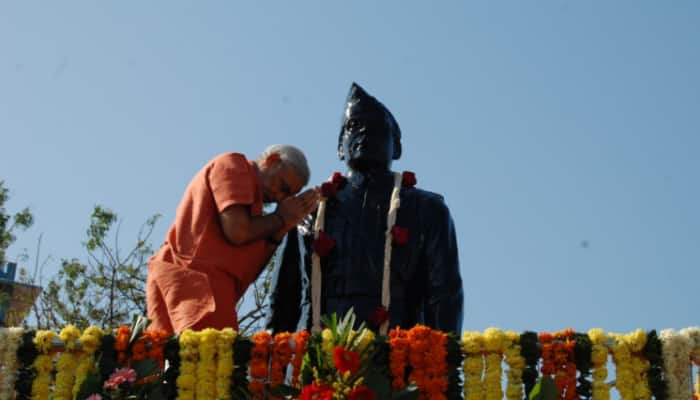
(292, 156)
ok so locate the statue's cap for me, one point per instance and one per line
(359, 100)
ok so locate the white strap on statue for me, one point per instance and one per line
(394, 204)
(316, 271)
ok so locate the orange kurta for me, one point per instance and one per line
(197, 277)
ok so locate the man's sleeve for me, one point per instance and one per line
(231, 181)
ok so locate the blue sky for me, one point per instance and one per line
(564, 135)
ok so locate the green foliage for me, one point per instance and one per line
(107, 289)
(545, 389)
(10, 223)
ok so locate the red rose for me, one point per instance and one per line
(408, 179)
(379, 316)
(362, 393)
(339, 180)
(345, 360)
(400, 235)
(323, 245)
(315, 392)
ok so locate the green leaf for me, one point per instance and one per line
(91, 385)
(379, 383)
(137, 327)
(545, 389)
(146, 368)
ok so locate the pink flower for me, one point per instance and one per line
(120, 376)
(94, 397)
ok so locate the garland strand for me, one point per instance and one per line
(90, 341)
(225, 363)
(26, 354)
(652, 352)
(67, 363)
(206, 365)
(259, 355)
(494, 341)
(281, 356)
(398, 357)
(300, 341)
(582, 353)
(189, 355)
(10, 340)
(43, 364)
(676, 354)
(473, 345)
(516, 364)
(530, 351)
(599, 358)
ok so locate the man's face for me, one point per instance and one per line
(366, 140)
(280, 181)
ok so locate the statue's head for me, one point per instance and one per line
(370, 137)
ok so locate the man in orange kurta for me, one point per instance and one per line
(220, 241)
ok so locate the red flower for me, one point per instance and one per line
(346, 360)
(323, 245)
(314, 392)
(400, 235)
(362, 393)
(408, 179)
(379, 316)
(331, 187)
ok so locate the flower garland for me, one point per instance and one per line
(258, 364)
(43, 364)
(640, 365)
(599, 358)
(582, 354)
(225, 363)
(301, 339)
(67, 363)
(398, 357)
(121, 344)
(494, 341)
(206, 365)
(90, 341)
(189, 355)
(436, 372)
(281, 356)
(676, 354)
(10, 339)
(473, 345)
(652, 352)
(565, 375)
(419, 346)
(531, 352)
(692, 335)
(26, 354)
(516, 364)
(394, 235)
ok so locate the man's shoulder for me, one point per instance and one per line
(234, 158)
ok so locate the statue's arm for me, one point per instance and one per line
(443, 306)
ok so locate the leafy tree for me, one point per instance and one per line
(109, 288)
(9, 223)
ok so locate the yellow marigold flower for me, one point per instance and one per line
(472, 342)
(597, 336)
(493, 340)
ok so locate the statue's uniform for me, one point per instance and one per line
(426, 286)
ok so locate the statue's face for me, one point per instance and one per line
(366, 140)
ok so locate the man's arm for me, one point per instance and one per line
(240, 227)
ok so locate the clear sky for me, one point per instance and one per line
(564, 135)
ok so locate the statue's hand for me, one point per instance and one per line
(295, 208)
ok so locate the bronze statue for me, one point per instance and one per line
(424, 280)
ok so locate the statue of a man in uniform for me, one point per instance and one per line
(386, 248)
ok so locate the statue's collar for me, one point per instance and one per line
(372, 179)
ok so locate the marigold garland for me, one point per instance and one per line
(582, 353)
(225, 363)
(676, 354)
(494, 341)
(398, 357)
(121, 344)
(281, 356)
(43, 364)
(599, 358)
(67, 363)
(531, 352)
(652, 351)
(206, 365)
(10, 340)
(90, 341)
(564, 364)
(300, 338)
(436, 381)
(473, 345)
(516, 364)
(189, 355)
(258, 364)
